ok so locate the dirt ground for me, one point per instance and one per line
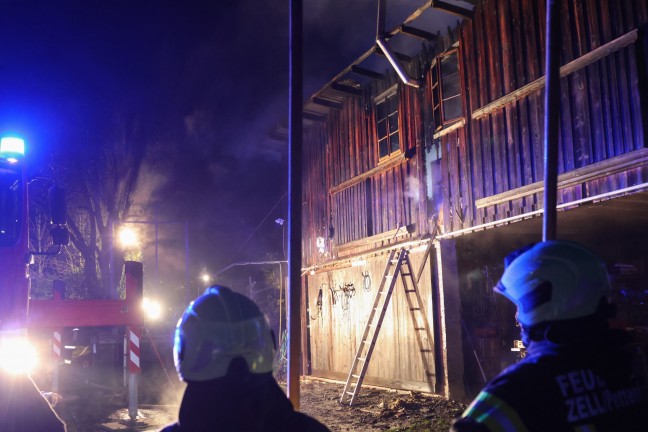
(97, 408)
(377, 409)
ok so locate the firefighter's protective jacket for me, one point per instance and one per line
(23, 408)
(597, 385)
(225, 404)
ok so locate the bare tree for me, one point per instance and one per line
(101, 177)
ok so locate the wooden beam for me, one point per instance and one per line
(327, 103)
(633, 159)
(346, 89)
(421, 34)
(450, 8)
(367, 72)
(314, 117)
(390, 163)
(450, 128)
(387, 235)
(569, 68)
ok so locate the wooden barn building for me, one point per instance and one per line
(431, 142)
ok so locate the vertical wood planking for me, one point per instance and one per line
(475, 168)
(500, 169)
(569, 134)
(532, 12)
(486, 135)
(510, 83)
(523, 137)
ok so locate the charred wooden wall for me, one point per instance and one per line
(315, 211)
(502, 50)
(351, 196)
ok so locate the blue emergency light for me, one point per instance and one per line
(11, 147)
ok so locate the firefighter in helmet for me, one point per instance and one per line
(578, 374)
(23, 408)
(224, 351)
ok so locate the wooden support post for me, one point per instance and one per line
(295, 109)
(449, 311)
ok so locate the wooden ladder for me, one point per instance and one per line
(398, 264)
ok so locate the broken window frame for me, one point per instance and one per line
(440, 98)
(391, 133)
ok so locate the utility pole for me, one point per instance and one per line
(552, 111)
(294, 200)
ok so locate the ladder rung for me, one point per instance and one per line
(415, 309)
(406, 274)
(419, 328)
(355, 376)
(361, 359)
(349, 392)
(409, 291)
(426, 350)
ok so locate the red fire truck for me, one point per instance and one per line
(14, 225)
(18, 313)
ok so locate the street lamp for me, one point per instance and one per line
(125, 239)
(128, 237)
(205, 278)
(152, 308)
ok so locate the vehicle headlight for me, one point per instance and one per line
(17, 355)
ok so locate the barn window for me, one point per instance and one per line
(446, 89)
(387, 123)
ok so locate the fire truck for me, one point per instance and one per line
(14, 248)
(18, 313)
(14, 225)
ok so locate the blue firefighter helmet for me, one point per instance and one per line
(216, 328)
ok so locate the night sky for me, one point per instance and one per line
(206, 81)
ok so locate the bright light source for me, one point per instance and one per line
(152, 308)
(13, 146)
(205, 278)
(128, 237)
(17, 355)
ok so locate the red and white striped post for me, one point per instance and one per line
(134, 369)
(57, 348)
(134, 275)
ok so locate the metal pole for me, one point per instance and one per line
(186, 235)
(125, 358)
(294, 200)
(157, 267)
(111, 258)
(133, 390)
(380, 20)
(552, 111)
